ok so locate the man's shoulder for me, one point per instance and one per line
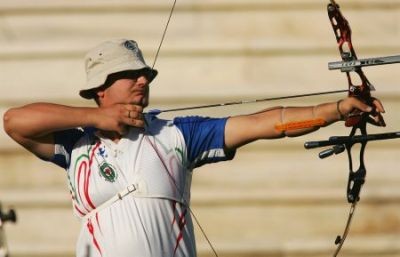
(71, 136)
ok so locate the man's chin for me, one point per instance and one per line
(145, 102)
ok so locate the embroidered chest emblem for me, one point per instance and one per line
(107, 171)
(102, 152)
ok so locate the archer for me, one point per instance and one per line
(129, 172)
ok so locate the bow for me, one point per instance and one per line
(352, 66)
(357, 120)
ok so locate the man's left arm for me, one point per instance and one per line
(244, 129)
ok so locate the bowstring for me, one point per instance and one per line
(152, 67)
(163, 35)
(180, 192)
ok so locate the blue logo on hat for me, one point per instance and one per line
(131, 45)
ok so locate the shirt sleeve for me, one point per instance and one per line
(64, 142)
(205, 139)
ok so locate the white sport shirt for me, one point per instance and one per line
(152, 221)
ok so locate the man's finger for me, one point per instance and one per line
(137, 123)
(362, 106)
(133, 122)
(377, 120)
(378, 105)
(134, 108)
(134, 115)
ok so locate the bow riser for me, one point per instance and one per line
(343, 34)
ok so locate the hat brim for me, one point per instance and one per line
(91, 92)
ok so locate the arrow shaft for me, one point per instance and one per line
(269, 99)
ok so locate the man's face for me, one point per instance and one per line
(126, 91)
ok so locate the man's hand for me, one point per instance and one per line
(119, 117)
(349, 105)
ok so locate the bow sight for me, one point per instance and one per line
(352, 65)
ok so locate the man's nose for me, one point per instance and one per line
(142, 81)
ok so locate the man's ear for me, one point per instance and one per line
(100, 93)
(99, 97)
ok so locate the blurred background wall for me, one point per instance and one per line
(275, 198)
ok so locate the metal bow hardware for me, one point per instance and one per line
(10, 216)
(351, 65)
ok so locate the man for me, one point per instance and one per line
(129, 172)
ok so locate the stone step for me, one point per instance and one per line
(207, 34)
(384, 246)
(205, 20)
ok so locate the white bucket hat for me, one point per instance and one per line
(112, 57)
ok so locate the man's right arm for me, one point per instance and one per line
(33, 125)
